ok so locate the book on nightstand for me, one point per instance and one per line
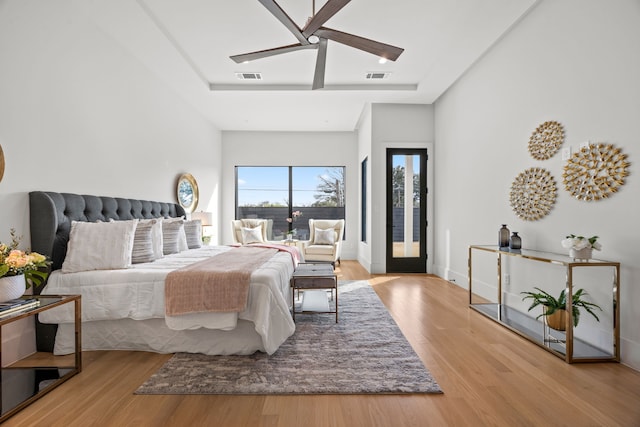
(17, 305)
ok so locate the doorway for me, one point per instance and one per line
(406, 210)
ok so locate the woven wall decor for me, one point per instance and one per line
(546, 140)
(595, 172)
(533, 194)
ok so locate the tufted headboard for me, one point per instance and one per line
(51, 215)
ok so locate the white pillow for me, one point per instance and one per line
(99, 246)
(324, 237)
(252, 235)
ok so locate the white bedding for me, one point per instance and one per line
(137, 293)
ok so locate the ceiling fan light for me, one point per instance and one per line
(313, 39)
(382, 60)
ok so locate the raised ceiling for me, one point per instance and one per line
(187, 44)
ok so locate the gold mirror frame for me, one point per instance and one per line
(546, 140)
(187, 192)
(1, 163)
(595, 172)
(533, 194)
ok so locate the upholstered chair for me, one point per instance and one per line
(325, 241)
(251, 230)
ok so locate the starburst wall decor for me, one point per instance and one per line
(546, 140)
(595, 172)
(533, 194)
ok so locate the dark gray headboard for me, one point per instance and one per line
(52, 213)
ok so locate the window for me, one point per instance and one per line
(275, 192)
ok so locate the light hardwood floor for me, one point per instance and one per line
(489, 375)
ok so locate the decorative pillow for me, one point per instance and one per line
(252, 235)
(143, 243)
(99, 246)
(172, 231)
(156, 236)
(324, 237)
(193, 232)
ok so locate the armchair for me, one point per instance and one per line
(238, 224)
(325, 241)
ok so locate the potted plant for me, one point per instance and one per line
(555, 309)
(580, 247)
(19, 269)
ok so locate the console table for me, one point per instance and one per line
(31, 377)
(563, 344)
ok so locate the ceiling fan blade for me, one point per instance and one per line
(245, 57)
(379, 49)
(330, 8)
(321, 62)
(282, 16)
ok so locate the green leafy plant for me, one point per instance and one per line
(552, 304)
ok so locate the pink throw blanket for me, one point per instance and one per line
(217, 284)
(292, 250)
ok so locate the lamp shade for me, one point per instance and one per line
(205, 217)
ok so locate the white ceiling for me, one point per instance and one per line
(187, 44)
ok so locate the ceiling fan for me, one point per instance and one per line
(315, 36)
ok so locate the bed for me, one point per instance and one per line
(124, 308)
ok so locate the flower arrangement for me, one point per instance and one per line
(294, 216)
(14, 262)
(580, 242)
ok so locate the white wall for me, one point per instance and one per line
(392, 126)
(292, 149)
(79, 114)
(364, 152)
(574, 61)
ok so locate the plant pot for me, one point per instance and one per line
(584, 253)
(12, 287)
(557, 320)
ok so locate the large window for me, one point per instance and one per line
(275, 193)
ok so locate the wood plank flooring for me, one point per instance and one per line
(490, 377)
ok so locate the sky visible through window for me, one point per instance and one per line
(257, 185)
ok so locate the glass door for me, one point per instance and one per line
(406, 210)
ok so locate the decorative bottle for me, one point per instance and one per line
(515, 242)
(503, 237)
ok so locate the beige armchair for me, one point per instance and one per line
(325, 241)
(241, 236)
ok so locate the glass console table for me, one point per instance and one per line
(564, 344)
(31, 377)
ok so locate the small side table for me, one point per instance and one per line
(31, 377)
(311, 276)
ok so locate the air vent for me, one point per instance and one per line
(249, 76)
(377, 75)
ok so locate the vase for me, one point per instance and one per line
(12, 287)
(557, 320)
(289, 237)
(515, 242)
(503, 236)
(584, 253)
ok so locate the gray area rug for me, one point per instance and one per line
(364, 353)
